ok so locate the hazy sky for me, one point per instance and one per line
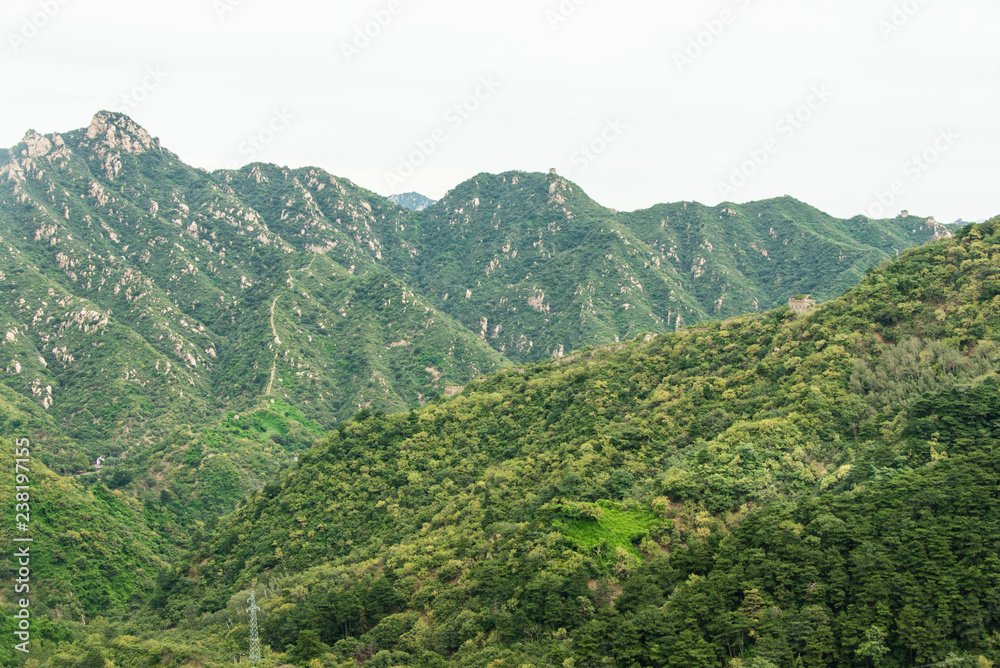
(855, 106)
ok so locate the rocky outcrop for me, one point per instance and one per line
(119, 132)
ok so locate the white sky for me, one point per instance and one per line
(606, 75)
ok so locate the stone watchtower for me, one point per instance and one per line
(801, 304)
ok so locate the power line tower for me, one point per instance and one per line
(254, 636)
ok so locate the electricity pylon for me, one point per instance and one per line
(254, 636)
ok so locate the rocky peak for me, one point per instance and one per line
(412, 200)
(940, 231)
(119, 132)
(36, 144)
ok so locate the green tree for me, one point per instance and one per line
(874, 648)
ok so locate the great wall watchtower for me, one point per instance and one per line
(801, 304)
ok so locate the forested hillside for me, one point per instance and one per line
(649, 461)
(173, 292)
(769, 490)
(192, 332)
(164, 328)
(539, 269)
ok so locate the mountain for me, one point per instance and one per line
(140, 294)
(192, 342)
(412, 201)
(538, 269)
(96, 539)
(769, 490)
(195, 333)
(139, 289)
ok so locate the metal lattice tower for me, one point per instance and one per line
(254, 637)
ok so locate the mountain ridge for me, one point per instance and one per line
(182, 292)
(200, 331)
(187, 296)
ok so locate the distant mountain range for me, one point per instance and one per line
(412, 201)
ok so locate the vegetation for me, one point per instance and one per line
(768, 490)
(548, 270)
(764, 490)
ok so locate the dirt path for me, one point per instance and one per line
(274, 331)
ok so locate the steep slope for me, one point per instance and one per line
(536, 267)
(141, 294)
(365, 341)
(744, 490)
(130, 271)
(164, 341)
(747, 257)
(319, 213)
(198, 332)
(91, 549)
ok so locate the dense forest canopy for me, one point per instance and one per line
(769, 490)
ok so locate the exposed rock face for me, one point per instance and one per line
(121, 133)
(38, 145)
(940, 231)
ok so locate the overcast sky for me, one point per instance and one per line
(855, 106)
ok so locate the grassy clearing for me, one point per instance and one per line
(617, 527)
